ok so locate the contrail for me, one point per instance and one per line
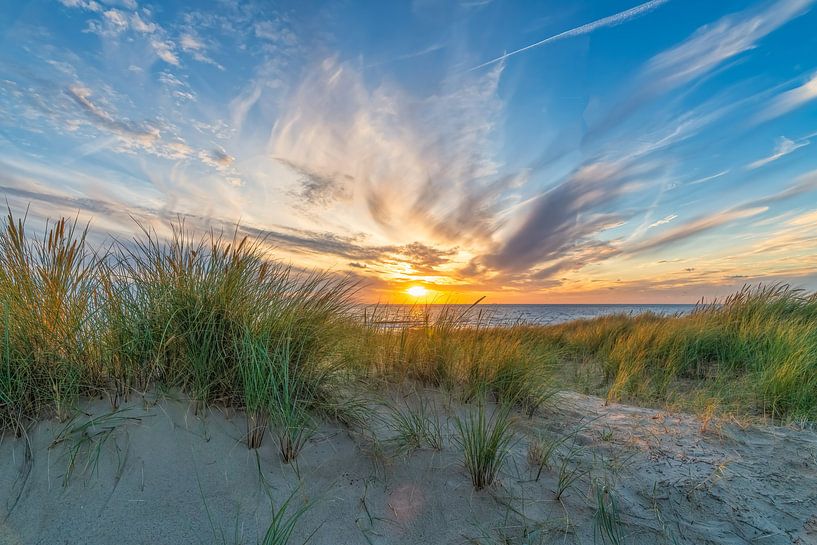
(612, 20)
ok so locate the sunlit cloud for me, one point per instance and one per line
(791, 100)
(663, 221)
(406, 164)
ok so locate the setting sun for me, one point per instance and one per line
(417, 291)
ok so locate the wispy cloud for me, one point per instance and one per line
(612, 20)
(165, 50)
(410, 55)
(144, 135)
(662, 221)
(806, 183)
(783, 147)
(113, 23)
(695, 227)
(90, 5)
(197, 48)
(790, 100)
(563, 221)
(713, 44)
(414, 164)
(140, 25)
(705, 179)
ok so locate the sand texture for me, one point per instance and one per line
(155, 472)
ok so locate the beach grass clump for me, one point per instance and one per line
(256, 371)
(431, 345)
(48, 289)
(485, 440)
(753, 352)
(293, 392)
(220, 319)
(177, 307)
(514, 373)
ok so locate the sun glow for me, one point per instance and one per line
(417, 291)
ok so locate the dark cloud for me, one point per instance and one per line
(564, 220)
(804, 184)
(591, 252)
(318, 189)
(94, 206)
(424, 257)
(221, 157)
(322, 243)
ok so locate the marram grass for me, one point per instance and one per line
(485, 438)
(48, 286)
(221, 319)
(755, 352)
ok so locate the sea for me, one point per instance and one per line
(509, 315)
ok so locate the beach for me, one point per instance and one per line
(166, 475)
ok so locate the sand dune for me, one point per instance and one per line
(158, 473)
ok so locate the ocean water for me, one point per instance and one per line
(508, 315)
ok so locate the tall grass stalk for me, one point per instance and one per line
(48, 287)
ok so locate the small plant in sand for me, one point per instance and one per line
(570, 471)
(540, 453)
(415, 426)
(607, 518)
(486, 441)
(283, 523)
(542, 448)
(84, 441)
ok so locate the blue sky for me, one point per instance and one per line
(532, 151)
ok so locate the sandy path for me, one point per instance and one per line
(163, 475)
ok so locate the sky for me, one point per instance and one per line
(603, 151)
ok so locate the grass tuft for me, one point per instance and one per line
(415, 426)
(486, 441)
(607, 517)
(284, 522)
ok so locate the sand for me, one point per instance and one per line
(164, 475)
